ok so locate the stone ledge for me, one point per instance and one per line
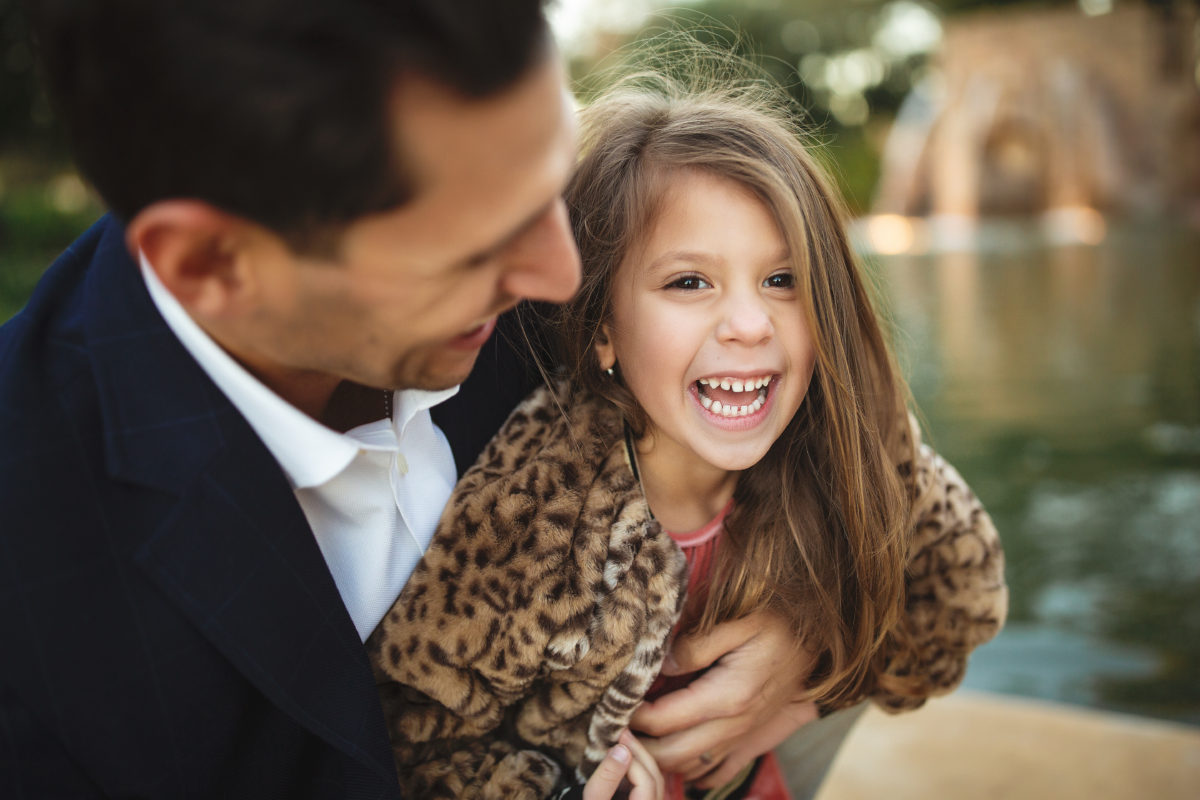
(979, 745)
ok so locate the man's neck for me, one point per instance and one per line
(338, 405)
(353, 404)
(311, 392)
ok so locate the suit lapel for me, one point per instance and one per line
(238, 558)
(235, 554)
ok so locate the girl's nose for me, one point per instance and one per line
(745, 321)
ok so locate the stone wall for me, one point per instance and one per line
(1028, 111)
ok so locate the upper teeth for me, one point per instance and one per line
(736, 384)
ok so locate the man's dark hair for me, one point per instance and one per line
(274, 110)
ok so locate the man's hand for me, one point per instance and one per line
(628, 760)
(742, 707)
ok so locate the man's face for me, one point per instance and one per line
(412, 294)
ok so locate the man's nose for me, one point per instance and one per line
(544, 263)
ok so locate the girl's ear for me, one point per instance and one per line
(197, 251)
(605, 354)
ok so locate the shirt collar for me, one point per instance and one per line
(309, 453)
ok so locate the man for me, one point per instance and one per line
(218, 462)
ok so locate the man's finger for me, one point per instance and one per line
(702, 700)
(695, 652)
(706, 764)
(760, 740)
(723, 774)
(608, 776)
(680, 751)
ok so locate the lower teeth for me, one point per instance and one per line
(716, 407)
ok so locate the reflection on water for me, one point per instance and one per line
(1065, 384)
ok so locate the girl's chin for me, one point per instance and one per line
(733, 460)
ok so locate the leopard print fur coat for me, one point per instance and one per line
(539, 615)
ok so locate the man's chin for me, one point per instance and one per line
(447, 372)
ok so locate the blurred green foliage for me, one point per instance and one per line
(847, 64)
(43, 207)
(791, 40)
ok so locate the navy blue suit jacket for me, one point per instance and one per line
(169, 626)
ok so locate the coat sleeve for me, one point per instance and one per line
(535, 620)
(956, 597)
(465, 641)
(536, 704)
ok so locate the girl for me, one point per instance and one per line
(730, 423)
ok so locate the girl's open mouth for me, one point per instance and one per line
(734, 397)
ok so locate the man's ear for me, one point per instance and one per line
(605, 354)
(198, 252)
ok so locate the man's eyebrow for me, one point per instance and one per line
(516, 233)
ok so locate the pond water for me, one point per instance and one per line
(1064, 383)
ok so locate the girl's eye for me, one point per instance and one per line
(781, 280)
(689, 283)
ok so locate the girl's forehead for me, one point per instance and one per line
(672, 188)
(667, 187)
(698, 215)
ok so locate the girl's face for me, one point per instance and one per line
(707, 327)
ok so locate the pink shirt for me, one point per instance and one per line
(699, 545)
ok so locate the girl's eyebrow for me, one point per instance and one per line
(696, 257)
(702, 258)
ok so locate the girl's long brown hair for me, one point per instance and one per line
(819, 526)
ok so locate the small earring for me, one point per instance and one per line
(609, 372)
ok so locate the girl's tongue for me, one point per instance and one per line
(729, 397)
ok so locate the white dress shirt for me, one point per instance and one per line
(372, 495)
